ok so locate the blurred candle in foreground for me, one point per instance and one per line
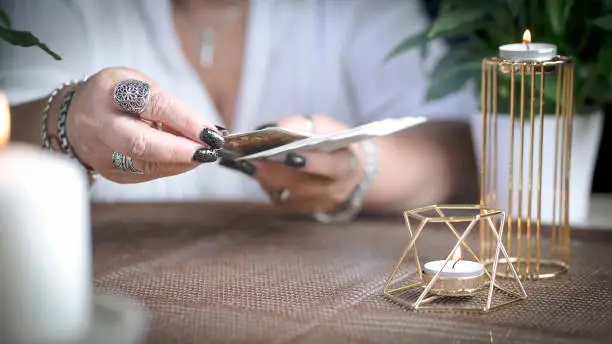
(45, 255)
(5, 121)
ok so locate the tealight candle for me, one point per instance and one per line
(45, 255)
(458, 277)
(528, 51)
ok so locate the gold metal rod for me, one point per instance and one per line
(490, 140)
(539, 185)
(483, 159)
(561, 228)
(570, 118)
(511, 166)
(415, 251)
(458, 236)
(494, 151)
(530, 178)
(519, 226)
(401, 260)
(495, 257)
(505, 253)
(553, 237)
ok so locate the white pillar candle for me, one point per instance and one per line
(528, 51)
(45, 248)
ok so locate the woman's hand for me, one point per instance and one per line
(312, 182)
(97, 129)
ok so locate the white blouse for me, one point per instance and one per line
(302, 57)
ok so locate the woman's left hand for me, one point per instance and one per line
(312, 182)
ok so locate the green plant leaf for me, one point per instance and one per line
(25, 39)
(558, 12)
(412, 42)
(453, 80)
(4, 18)
(450, 62)
(452, 21)
(604, 22)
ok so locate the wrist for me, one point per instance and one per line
(353, 205)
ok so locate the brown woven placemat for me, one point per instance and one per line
(239, 274)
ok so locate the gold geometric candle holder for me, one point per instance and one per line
(518, 166)
(454, 283)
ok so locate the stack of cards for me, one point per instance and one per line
(275, 143)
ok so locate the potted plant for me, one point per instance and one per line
(581, 31)
(21, 38)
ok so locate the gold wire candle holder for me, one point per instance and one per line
(440, 285)
(513, 154)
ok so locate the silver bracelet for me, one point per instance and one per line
(64, 144)
(353, 205)
(44, 134)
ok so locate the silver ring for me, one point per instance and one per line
(124, 163)
(284, 195)
(132, 96)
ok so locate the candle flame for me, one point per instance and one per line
(457, 255)
(5, 121)
(527, 37)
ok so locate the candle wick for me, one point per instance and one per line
(457, 261)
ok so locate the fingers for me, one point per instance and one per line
(134, 91)
(148, 171)
(167, 109)
(136, 139)
(335, 165)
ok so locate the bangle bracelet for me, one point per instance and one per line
(353, 205)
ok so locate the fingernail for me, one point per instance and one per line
(295, 160)
(205, 155)
(223, 130)
(212, 138)
(267, 125)
(240, 166)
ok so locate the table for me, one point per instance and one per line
(239, 273)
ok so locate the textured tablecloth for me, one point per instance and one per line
(238, 273)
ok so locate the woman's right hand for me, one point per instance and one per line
(97, 127)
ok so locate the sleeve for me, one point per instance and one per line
(398, 87)
(28, 74)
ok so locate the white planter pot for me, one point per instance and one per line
(586, 136)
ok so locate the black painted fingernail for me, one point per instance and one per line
(240, 166)
(212, 138)
(222, 130)
(295, 160)
(205, 155)
(267, 125)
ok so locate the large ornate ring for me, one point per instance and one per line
(124, 163)
(132, 96)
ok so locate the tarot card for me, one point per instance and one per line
(243, 144)
(336, 141)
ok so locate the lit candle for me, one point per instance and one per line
(45, 255)
(458, 277)
(528, 51)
